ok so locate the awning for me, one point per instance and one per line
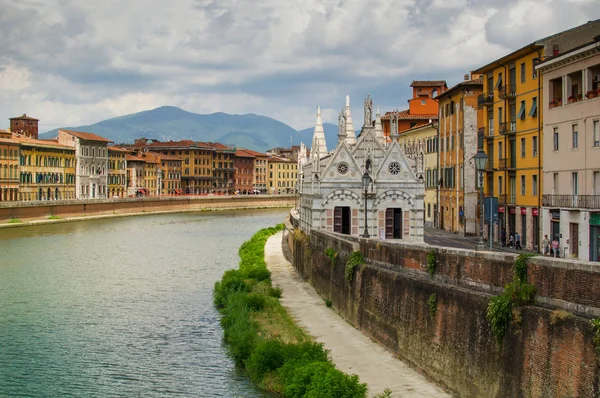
(533, 111)
(521, 114)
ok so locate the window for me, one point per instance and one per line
(533, 110)
(596, 132)
(523, 72)
(500, 152)
(490, 80)
(523, 185)
(499, 185)
(423, 102)
(575, 183)
(521, 114)
(522, 147)
(452, 143)
(428, 210)
(500, 114)
(534, 184)
(596, 182)
(534, 145)
(499, 82)
(556, 138)
(575, 136)
(533, 71)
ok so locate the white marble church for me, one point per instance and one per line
(331, 191)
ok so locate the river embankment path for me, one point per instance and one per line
(351, 351)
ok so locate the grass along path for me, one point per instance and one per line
(263, 340)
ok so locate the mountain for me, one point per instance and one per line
(171, 123)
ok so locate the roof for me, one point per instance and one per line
(132, 158)
(405, 115)
(175, 144)
(24, 140)
(591, 45)
(85, 136)
(474, 82)
(243, 153)
(428, 83)
(220, 147)
(24, 117)
(170, 157)
(417, 128)
(118, 149)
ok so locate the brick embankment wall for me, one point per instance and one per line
(27, 211)
(388, 300)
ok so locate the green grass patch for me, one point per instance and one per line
(54, 217)
(15, 221)
(264, 341)
(355, 259)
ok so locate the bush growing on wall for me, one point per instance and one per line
(355, 259)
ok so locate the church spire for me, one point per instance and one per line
(350, 134)
(319, 146)
(379, 128)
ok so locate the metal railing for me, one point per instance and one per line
(508, 199)
(507, 164)
(575, 201)
(508, 127)
(485, 99)
(507, 91)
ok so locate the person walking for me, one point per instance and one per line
(518, 241)
(546, 245)
(555, 247)
(511, 241)
(503, 237)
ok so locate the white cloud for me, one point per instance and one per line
(72, 62)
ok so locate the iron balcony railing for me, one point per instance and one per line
(575, 201)
(485, 99)
(508, 128)
(508, 199)
(507, 92)
(507, 164)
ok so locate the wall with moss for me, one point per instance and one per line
(437, 322)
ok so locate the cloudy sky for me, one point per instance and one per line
(75, 62)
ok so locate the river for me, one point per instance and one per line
(120, 307)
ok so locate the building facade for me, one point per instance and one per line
(331, 193)
(9, 167)
(117, 172)
(170, 166)
(223, 168)
(283, 173)
(418, 144)
(458, 136)
(571, 147)
(512, 125)
(244, 172)
(91, 155)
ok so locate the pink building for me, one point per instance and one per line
(571, 150)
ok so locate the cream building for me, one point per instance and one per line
(571, 149)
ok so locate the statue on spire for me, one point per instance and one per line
(368, 111)
(394, 125)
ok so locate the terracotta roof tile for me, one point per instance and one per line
(405, 115)
(118, 149)
(86, 136)
(474, 82)
(428, 83)
(48, 143)
(24, 117)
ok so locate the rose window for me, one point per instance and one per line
(342, 168)
(394, 168)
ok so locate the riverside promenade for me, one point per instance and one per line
(351, 351)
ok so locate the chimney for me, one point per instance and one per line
(466, 76)
(555, 49)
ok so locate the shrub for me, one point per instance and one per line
(268, 356)
(14, 221)
(559, 315)
(328, 303)
(596, 327)
(387, 393)
(259, 273)
(232, 282)
(255, 301)
(327, 381)
(520, 266)
(431, 262)
(275, 292)
(355, 259)
(331, 253)
(432, 304)
(499, 313)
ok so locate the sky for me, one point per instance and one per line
(77, 62)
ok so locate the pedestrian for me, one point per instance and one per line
(518, 241)
(503, 237)
(511, 241)
(555, 248)
(546, 245)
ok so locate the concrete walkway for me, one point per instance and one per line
(351, 351)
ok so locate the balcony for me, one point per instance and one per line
(573, 201)
(507, 164)
(508, 128)
(507, 92)
(508, 199)
(485, 99)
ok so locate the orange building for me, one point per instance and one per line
(422, 107)
(170, 166)
(223, 170)
(24, 125)
(244, 171)
(9, 167)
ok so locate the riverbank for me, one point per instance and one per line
(36, 213)
(351, 351)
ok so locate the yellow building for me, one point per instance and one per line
(117, 172)
(282, 175)
(9, 167)
(47, 170)
(170, 166)
(512, 125)
(458, 129)
(423, 139)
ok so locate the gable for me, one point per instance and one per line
(342, 166)
(395, 166)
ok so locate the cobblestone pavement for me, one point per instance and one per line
(351, 351)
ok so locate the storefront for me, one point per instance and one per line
(536, 228)
(555, 224)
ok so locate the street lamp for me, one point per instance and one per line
(480, 165)
(366, 180)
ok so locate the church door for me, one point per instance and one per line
(341, 220)
(393, 223)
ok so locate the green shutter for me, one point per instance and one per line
(533, 111)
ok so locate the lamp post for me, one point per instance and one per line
(366, 180)
(480, 165)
